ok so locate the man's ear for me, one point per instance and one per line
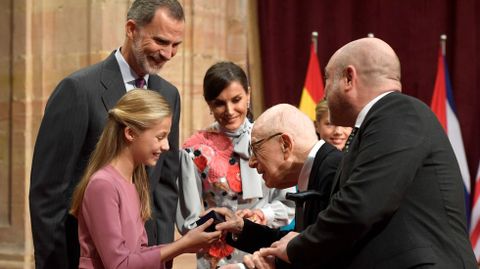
(349, 74)
(286, 144)
(130, 28)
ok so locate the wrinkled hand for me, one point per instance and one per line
(257, 261)
(279, 248)
(230, 266)
(233, 223)
(197, 238)
(255, 215)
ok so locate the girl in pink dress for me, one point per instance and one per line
(111, 201)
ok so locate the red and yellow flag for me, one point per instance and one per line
(313, 89)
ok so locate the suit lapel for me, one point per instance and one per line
(111, 79)
(155, 83)
(322, 153)
(344, 165)
(340, 176)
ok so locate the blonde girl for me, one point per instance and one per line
(111, 201)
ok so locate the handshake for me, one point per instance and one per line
(217, 218)
(216, 223)
(231, 225)
(235, 224)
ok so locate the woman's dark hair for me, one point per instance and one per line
(219, 76)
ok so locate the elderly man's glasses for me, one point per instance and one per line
(255, 146)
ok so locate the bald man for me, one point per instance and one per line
(287, 152)
(398, 199)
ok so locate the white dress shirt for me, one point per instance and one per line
(129, 76)
(307, 166)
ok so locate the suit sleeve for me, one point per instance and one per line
(57, 151)
(100, 210)
(388, 151)
(255, 236)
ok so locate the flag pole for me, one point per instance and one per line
(370, 35)
(443, 43)
(315, 40)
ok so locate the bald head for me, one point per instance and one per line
(285, 118)
(357, 73)
(376, 63)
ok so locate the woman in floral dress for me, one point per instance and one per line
(215, 171)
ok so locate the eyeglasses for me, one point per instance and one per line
(255, 146)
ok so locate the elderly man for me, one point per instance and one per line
(287, 152)
(74, 118)
(398, 197)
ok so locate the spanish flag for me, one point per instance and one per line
(313, 90)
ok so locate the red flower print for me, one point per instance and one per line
(200, 162)
(233, 177)
(220, 248)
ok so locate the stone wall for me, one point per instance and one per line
(45, 40)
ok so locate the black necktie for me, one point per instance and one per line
(349, 139)
(140, 83)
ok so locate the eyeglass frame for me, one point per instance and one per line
(259, 142)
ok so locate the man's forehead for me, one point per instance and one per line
(330, 64)
(256, 132)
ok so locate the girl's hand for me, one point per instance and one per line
(197, 238)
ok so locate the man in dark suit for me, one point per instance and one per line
(74, 118)
(398, 198)
(311, 163)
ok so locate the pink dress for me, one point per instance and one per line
(110, 230)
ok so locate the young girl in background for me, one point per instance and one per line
(335, 135)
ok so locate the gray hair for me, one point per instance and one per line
(143, 11)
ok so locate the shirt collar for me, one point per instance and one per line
(307, 166)
(365, 109)
(128, 74)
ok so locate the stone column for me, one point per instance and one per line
(15, 134)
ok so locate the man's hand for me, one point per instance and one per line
(257, 261)
(233, 223)
(279, 248)
(232, 266)
(254, 215)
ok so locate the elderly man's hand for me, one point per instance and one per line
(232, 266)
(233, 223)
(279, 248)
(257, 261)
(254, 215)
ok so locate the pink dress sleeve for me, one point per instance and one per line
(102, 212)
